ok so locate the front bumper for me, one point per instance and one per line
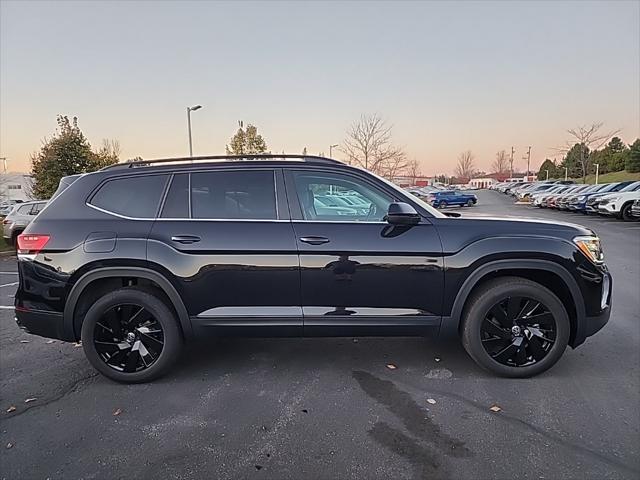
(608, 208)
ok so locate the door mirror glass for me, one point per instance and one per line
(402, 214)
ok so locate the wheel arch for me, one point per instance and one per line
(115, 273)
(545, 272)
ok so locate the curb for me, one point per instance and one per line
(7, 253)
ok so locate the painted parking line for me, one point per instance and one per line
(8, 273)
(7, 307)
(9, 284)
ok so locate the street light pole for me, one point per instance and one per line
(331, 147)
(566, 173)
(597, 171)
(528, 162)
(189, 110)
(547, 170)
(511, 161)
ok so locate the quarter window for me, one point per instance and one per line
(326, 196)
(233, 195)
(176, 205)
(136, 197)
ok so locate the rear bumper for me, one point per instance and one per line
(42, 323)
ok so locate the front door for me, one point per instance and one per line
(359, 274)
(227, 237)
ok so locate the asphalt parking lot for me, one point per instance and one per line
(329, 408)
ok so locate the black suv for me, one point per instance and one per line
(138, 258)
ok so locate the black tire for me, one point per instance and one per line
(478, 309)
(470, 203)
(156, 309)
(443, 204)
(625, 212)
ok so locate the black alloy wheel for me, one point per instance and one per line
(470, 203)
(131, 335)
(128, 338)
(515, 327)
(518, 331)
(443, 204)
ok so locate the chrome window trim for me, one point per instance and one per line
(183, 219)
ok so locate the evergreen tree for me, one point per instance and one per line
(68, 152)
(246, 141)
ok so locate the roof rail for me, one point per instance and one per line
(229, 158)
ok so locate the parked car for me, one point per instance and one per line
(635, 209)
(525, 195)
(619, 204)
(540, 199)
(448, 198)
(139, 258)
(17, 220)
(579, 203)
(593, 202)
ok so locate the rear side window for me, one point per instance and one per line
(234, 195)
(136, 197)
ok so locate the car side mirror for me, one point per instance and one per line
(402, 214)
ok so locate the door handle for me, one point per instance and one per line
(185, 238)
(314, 240)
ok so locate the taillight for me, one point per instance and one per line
(32, 243)
(6, 222)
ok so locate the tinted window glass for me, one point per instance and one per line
(176, 205)
(136, 197)
(25, 209)
(233, 195)
(327, 196)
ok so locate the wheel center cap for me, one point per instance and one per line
(515, 330)
(131, 337)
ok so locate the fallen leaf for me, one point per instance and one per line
(431, 401)
(117, 412)
(77, 344)
(24, 341)
(50, 342)
(9, 445)
(391, 366)
(29, 400)
(355, 340)
(12, 408)
(437, 359)
(495, 408)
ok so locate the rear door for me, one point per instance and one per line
(226, 237)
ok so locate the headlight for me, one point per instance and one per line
(613, 199)
(581, 198)
(590, 246)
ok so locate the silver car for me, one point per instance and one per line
(20, 216)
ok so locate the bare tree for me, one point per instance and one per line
(465, 167)
(413, 170)
(368, 145)
(501, 163)
(588, 136)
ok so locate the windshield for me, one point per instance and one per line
(632, 187)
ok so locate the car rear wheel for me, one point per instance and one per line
(514, 327)
(443, 204)
(131, 336)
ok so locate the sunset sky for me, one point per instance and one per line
(480, 76)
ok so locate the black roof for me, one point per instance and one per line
(225, 159)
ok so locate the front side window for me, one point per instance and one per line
(248, 194)
(136, 197)
(335, 197)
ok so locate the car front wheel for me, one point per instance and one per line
(130, 335)
(625, 213)
(514, 327)
(470, 203)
